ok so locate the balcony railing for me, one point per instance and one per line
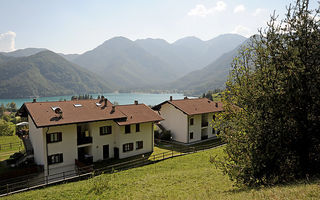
(204, 124)
(84, 140)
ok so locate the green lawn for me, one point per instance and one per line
(6, 152)
(186, 177)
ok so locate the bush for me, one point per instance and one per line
(6, 128)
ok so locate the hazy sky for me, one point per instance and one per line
(75, 26)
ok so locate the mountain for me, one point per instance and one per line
(210, 77)
(23, 52)
(69, 57)
(191, 53)
(46, 74)
(123, 62)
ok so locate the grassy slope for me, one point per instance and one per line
(186, 177)
(5, 153)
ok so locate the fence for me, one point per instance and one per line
(13, 145)
(25, 183)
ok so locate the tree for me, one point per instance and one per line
(271, 121)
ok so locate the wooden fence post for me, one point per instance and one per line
(7, 188)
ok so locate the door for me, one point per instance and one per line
(105, 151)
(116, 153)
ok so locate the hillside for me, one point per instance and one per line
(187, 177)
(191, 53)
(46, 74)
(23, 52)
(209, 78)
(121, 61)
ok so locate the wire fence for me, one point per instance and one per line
(35, 181)
(12, 145)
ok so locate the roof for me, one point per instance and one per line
(137, 114)
(80, 111)
(194, 106)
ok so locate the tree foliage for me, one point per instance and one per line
(272, 102)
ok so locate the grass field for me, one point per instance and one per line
(186, 177)
(6, 152)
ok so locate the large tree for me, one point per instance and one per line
(272, 101)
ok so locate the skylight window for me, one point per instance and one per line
(77, 105)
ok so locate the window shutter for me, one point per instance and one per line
(59, 136)
(61, 157)
(124, 148)
(48, 138)
(131, 146)
(101, 130)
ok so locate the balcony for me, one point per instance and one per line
(204, 124)
(84, 140)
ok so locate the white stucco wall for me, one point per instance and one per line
(68, 146)
(99, 140)
(37, 141)
(145, 134)
(195, 128)
(175, 121)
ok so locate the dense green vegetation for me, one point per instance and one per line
(187, 177)
(272, 119)
(46, 74)
(8, 119)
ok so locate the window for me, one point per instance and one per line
(191, 121)
(127, 129)
(127, 147)
(54, 137)
(214, 117)
(137, 127)
(191, 135)
(213, 131)
(139, 145)
(56, 158)
(105, 130)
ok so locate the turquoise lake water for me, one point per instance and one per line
(121, 98)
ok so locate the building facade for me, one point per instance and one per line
(67, 133)
(189, 120)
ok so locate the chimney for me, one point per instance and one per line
(113, 109)
(185, 97)
(217, 105)
(105, 102)
(170, 98)
(136, 102)
(34, 100)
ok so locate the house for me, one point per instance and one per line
(189, 120)
(66, 133)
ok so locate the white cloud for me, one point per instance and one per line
(203, 11)
(259, 11)
(242, 30)
(7, 41)
(239, 9)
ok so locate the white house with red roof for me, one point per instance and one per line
(189, 120)
(66, 133)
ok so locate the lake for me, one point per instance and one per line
(121, 98)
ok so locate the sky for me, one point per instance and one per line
(76, 26)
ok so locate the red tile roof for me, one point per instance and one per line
(194, 106)
(138, 114)
(43, 115)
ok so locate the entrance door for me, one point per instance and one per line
(105, 151)
(116, 153)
